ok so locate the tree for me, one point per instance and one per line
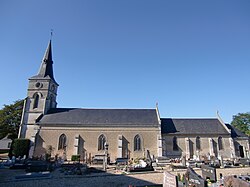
(20, 147)
(241, 121)
(10, 118)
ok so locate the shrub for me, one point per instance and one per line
(75, 158)
(4, 151)
(19, 147)
(178, 176)
(49, 150)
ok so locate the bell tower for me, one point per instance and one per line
(41, 97)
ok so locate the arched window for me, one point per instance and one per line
(175, 145)
(220, 143)
(101, 142)
(62, 142)
(198, 143)
(36, 101)
(137, 143)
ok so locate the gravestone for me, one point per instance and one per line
(208, 173)
(183, 160)
(169, 180)
(244, 161)
(193, 179)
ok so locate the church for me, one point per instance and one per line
(129, 133)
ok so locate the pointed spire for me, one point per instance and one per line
(48, 53)
(46, 68)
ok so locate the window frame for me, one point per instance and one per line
(137, 143)
(36, 101)
(198, 143)
(220, 143)
(101, 142)
(62, 142)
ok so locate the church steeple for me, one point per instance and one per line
(41, 97)
(46, 68)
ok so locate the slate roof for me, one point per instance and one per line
(100, 117)
(235, 133)
(192, 126)
(46, 69)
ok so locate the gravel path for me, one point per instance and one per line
(96, 180)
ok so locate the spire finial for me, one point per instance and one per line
(51, 34)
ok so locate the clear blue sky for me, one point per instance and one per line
(192, 57)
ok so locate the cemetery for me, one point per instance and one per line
(18, 169)
(145, 171)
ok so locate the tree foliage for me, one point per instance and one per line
(10, 118)
(20, 147)
(242, 122)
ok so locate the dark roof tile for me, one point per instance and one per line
(192, 126)
(85, 117)
(235, 132)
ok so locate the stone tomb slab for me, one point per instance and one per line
(34, 176)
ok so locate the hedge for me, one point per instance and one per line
(20, 147)
(75, 158)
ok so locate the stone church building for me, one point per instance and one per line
(130, 133)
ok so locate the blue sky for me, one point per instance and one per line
(192, 57)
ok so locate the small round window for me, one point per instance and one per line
(38, 85)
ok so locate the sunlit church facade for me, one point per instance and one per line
(130, 133)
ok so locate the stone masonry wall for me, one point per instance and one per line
(204, 144)
(50, 136)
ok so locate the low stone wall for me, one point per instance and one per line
(235, 182)
(232, 171)
(224, 171)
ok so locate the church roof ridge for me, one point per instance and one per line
(78, 108)
(190, 118)
(118, 108)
